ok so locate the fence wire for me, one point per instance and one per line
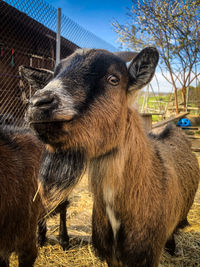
(28, 37)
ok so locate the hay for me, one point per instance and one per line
(81, 253)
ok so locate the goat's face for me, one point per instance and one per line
(85, 104)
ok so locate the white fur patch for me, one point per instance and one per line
(108, 195)
(113, 221)
(109, 199)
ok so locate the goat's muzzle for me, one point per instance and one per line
(42, 107)
(40, 114)
(43, 116)
(43, 101)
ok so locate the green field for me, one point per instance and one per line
(164, 103)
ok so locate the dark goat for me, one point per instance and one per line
(41, 78)
(20, 158)
(143, 185)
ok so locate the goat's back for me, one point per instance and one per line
(180, 165)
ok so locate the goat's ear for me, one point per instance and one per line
(142, 68)
(37, 78)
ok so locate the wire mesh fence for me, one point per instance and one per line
(28, 37)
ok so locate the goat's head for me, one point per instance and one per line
(84, 106)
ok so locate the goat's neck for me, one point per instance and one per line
(138, 150)
(126, 165)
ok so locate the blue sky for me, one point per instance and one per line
(95, 16)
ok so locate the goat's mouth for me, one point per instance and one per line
(48, 122)
(49, 131)
(47, 118)
(48, 112)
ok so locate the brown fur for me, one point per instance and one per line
(143, 186)
(20, 156)
(156, 199)
(22, 206)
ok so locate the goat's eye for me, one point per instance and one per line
(113, 80)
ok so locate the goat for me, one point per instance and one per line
(38, 78)
(143, 185)
(20, 157)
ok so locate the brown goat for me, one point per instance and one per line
(143, 185)
(20, 157)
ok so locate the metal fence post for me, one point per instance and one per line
(58, 36)
(31, 35)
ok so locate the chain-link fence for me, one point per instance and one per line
(28, 37)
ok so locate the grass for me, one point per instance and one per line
(159, 103)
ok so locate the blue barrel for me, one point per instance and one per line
(184, 122)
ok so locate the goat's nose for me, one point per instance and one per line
(43, 100)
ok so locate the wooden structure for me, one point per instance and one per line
(147, 117)
(173, 118)
(23, 41)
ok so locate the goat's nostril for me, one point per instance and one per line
(45, 100)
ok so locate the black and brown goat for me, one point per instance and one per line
(143, 185)
(38, 78)
(20, 158)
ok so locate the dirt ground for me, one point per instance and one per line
(80, 253)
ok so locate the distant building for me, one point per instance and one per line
(23, 41)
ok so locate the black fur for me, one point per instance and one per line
(139, 255)
(77, 72)
(48, 132)
(62, 169)
(170, 245)
(166, 133)
(102, 241)
(7, 134)
(183, 224)
(140, 67)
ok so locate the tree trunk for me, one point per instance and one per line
(183, 93)
(175, 91)
(176, 99)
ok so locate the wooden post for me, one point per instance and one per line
(176, 99)
(147, 117)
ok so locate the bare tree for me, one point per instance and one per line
(174, 28)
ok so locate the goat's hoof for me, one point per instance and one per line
(41, 241)
(170, 246)
(64, 244)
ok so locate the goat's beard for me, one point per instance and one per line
(61, 170)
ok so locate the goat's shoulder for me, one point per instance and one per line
(169, 133)
(9, 131)
(163, 133)
(171, 143)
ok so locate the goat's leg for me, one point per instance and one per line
(28, 253)
(170, 245)
(4, 262)
(42, 230)
(114, 263)
(27, 258)
(63, 234)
